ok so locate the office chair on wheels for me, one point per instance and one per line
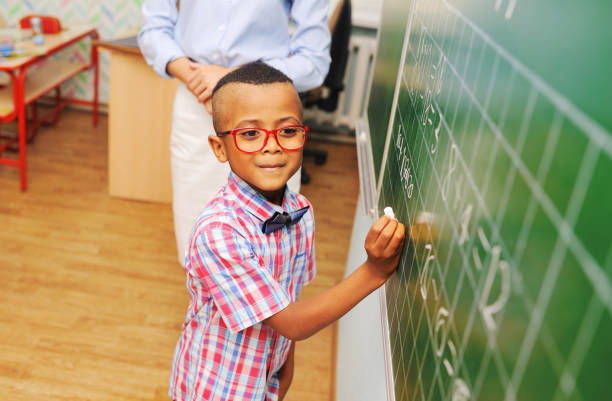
(326, 96)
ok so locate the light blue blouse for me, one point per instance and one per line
(234, 32)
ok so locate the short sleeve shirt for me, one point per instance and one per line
(237, 276)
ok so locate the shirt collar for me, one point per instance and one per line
(254, 202)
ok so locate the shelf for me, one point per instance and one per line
(40, 81)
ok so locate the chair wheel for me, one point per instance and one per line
(320, 159)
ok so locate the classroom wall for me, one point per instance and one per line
(366, 13)
(114, 18)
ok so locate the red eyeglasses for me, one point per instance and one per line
(252, 140)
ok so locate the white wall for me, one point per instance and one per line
(366, 13)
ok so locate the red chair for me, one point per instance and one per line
(48, 23)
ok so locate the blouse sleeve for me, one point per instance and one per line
(309, 58)
(156, 37)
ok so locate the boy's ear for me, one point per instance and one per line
(218, 147)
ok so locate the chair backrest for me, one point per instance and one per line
(340, 28)
(49, 24)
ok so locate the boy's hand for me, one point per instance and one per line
(285, 374)
(384, 244)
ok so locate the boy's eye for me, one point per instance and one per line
(249, 134)
(289, 131)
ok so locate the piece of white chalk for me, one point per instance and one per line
(389, 212)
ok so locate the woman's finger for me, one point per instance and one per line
(200, 88)
(193, 82)
(207, 93)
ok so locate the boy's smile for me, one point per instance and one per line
(268, 106)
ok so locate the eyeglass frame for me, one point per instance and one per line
(268, 133)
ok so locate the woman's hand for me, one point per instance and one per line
(202, 79)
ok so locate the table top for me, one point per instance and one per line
(53, 43)
(127, 44)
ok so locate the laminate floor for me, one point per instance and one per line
(91, 295)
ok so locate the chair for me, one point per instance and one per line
(326, 96)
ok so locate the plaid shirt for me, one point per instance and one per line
(237, 277)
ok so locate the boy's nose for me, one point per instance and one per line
(272, 144)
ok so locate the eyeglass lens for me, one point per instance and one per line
(253, 139)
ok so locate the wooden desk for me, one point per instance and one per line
(140, 119)
(26, 88)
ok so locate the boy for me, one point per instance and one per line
(252, 249)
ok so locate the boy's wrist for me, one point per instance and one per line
(378, 276)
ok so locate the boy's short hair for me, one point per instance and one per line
(254, 73)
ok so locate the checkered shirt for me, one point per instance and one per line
(238, 276)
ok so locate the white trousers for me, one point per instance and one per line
(197, 175)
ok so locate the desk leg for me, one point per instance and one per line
(94, 59)
(58, 105)
(21, 117)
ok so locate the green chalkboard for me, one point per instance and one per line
(499, 158)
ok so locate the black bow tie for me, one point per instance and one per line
(284, 219)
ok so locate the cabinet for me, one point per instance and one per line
(140, 118)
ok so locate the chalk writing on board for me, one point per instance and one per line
(405, 170)
(509, 7)
(449, 174)
(440, 321)
(458, 186)
(432, 116)
(465, 221)
(434, 147)
(450, 367)
(488, 310)
(437, 75)
(424, 271)
(460, 390)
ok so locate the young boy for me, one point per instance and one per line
(252, 250)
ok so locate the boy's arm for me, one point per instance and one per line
(285, 374)
(302, 319)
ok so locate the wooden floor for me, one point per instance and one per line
(91, 296)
